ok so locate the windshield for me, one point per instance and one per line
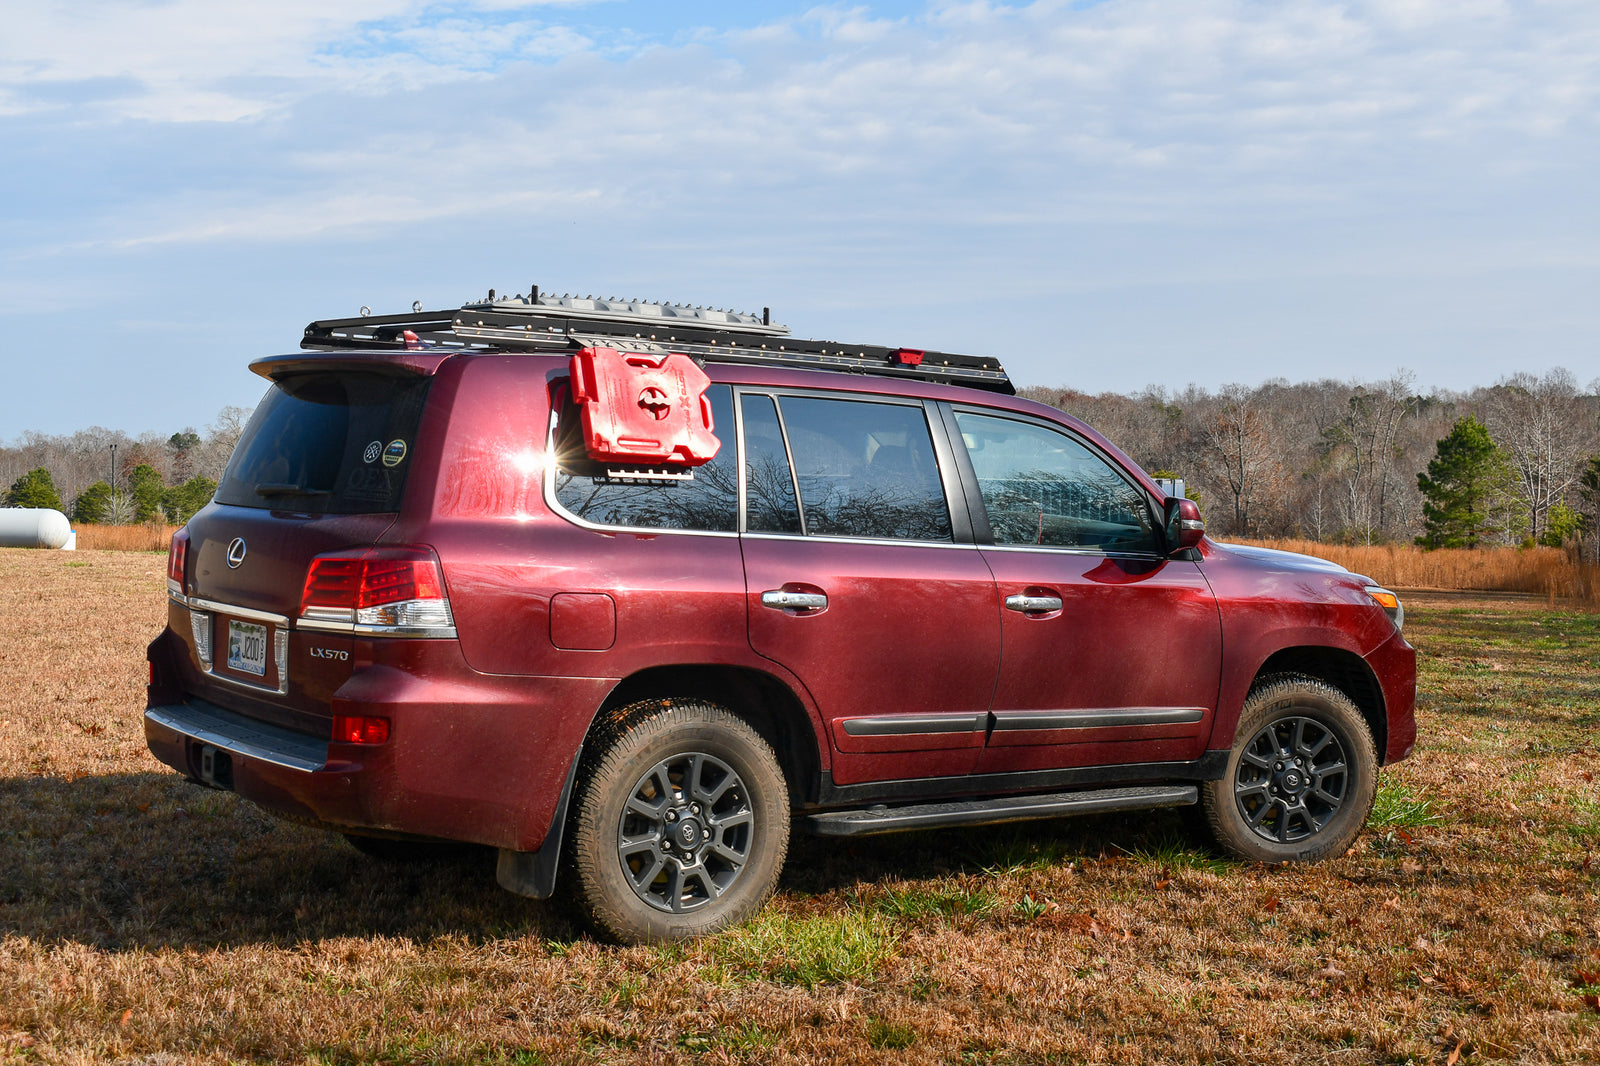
(327, 443)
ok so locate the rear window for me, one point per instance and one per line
(331, 443)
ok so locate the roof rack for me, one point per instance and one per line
(549, 323)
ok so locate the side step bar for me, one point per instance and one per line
(881, 819)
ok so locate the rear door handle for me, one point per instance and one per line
(781, 600)
(1033, 604)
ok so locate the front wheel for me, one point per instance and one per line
(682, 823)
(1301, 776)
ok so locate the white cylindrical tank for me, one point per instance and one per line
(34, 527)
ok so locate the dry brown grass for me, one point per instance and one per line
(1547, 572)
(143, 919)
(144, 537)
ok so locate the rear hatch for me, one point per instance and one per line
(321, 467)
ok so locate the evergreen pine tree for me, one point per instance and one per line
(36, 488)
(1461, 489)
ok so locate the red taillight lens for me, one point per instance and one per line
(178, 556)
(372, 578)
(360, 729)
(332, 582)
(394, 580)
(909, 356)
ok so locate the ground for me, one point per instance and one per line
(146, 919)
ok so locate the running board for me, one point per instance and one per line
(881, 819)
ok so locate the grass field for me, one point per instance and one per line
(143, 919)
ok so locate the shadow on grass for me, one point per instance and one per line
(150, 860)
(819, 865)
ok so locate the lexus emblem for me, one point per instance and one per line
(236, 550)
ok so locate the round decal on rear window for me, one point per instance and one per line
(372, 451)
(395, 453)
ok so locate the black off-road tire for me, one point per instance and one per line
(1269, 807)
(680, 824)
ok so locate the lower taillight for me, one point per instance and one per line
(360, 729)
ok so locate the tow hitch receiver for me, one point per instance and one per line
(214, 767)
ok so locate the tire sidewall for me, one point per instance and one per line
(605, 893)
(1327, 706)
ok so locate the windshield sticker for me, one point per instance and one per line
(395, 453)
(372, 452)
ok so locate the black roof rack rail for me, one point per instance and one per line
(550, 323)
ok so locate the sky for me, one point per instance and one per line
(1106, 195)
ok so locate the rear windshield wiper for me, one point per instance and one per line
(276, 488)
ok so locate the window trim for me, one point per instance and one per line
(980, 509)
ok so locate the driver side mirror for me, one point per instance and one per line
(1185, 527)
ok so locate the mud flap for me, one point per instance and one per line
(533, 873)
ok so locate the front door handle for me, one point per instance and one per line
(781, 600)
(1033, 604)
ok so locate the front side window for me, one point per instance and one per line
(1043, 487)
(706, 500)
(864, 469)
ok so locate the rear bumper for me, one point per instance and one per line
(477, 758)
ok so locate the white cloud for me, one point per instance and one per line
(1132, 109)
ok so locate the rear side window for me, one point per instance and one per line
(865, 469)
(706, 499)
(328, 443)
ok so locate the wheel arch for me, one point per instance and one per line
(760, 699)
(1345, 671)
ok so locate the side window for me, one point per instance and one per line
(769, 496)
(865, 469)
(1042, 487)
(707, 500)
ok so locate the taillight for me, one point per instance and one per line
(177, 560)
(360, 729)
(398, 589)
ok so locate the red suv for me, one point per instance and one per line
(624, 589)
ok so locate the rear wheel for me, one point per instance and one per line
(681, 824)
(1301, 776)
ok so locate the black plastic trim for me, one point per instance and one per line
(899, 725)
(1109, 718)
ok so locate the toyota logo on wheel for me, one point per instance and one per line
(236, 550)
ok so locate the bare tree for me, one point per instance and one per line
(1242, 449)
(1546, 430)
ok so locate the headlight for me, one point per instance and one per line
(1390, 604)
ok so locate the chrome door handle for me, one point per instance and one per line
(1032, 604)
(779, 600)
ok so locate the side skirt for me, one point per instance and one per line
(1211, 766)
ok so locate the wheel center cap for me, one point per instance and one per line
(1294, 780)
(687, 833)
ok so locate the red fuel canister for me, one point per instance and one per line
(643, 407)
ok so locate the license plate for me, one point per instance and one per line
(247, 648)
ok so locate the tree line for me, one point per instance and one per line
(1336, 461)
(104, 476)
(1371, 462)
